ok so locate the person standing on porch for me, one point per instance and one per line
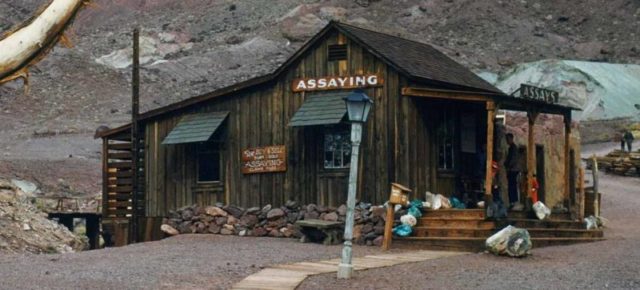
(511, 166)
(628, 138)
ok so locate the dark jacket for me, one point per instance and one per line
(511, 162)
(627, 136)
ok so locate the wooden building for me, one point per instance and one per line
(283, 135)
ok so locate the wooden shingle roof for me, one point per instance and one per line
(417, 60)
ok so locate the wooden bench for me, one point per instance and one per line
(326, 232)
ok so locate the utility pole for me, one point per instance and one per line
(135, 143)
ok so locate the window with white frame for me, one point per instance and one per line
(337, 149)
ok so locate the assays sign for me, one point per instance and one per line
(336, 83)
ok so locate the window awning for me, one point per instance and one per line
(195, 128)
(326, 108)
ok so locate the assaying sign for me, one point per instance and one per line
(540, 94)
(336, 83)
(264, 159)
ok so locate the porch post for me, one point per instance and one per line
(491, 112)
(531, 155)
(567, 159)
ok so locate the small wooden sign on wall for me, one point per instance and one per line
(264, 159)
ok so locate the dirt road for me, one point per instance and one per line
(216, 262)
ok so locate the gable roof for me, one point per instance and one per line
(415, 60)
(418, 60)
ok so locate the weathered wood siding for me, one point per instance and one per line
(394, 146)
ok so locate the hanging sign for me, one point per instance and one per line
(336, 83)
(539, 94)
(264, 159)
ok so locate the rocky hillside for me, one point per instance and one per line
(195, 46)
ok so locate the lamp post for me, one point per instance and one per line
(358, 106)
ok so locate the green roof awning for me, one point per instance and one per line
(326, 108)
(195, 128)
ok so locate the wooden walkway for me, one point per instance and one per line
(289, 276)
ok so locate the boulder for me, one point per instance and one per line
(234, 211)
(169, 230)
(342, 210)
(367, 228)
(291, 204)
(332, 217)
(311, 215)
(275, 213)
(228, 227)
(231, 220)
(187, 215)
(357, 231)
(253, 210)
(214, 229)
(185, 228)
(379, 230)
(266, 209)
(249, 220)
(259, 232)
(378, 241)
(226, 232)
(311, 207)
(215, 211)
(221, 220)
(201, 228)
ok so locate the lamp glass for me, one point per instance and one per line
(358, 106)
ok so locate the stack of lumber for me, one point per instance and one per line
(620, 163)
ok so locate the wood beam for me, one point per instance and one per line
(491, 113)
(531, 154)
(439, 94)
(567, 160)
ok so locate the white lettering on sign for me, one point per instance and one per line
(336, 83)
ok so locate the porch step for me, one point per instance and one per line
(464, 244)
(452, 232)
(531, 215)
(457, 222)
(534, 223)
(477, 244)
(455, 213)
(423, 231)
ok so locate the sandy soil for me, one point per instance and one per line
(182, 262)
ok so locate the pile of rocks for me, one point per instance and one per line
(26, 228)
(272, 221)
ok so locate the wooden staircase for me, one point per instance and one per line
(467, 230)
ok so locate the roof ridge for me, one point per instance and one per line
(384, 33)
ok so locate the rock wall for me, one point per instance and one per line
(273, 222)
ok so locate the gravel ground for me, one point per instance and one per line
(182, 262)
(614, 263)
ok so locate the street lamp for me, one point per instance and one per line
(358, 106)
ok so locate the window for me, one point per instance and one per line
(208, 162)
(446, 140)
(337, 52)
(337, 149)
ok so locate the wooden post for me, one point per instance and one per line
(567, 160)
(105, 176)
(581, 197)
(135, 104)
(531, 155)
(388, 226)
(594, 171)
(488, 179)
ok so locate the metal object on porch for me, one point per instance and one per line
(320, 231)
